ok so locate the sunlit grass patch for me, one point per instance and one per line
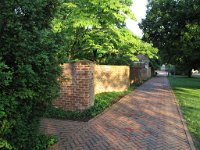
(187, 91)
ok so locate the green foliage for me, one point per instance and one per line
(181, 70)
(29, 69)
(187, 91)
(102, 101)
(96, 30)
(45, 141)
(170, 68)
(155, 63)
(173, 27)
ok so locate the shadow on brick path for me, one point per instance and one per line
(146, 119)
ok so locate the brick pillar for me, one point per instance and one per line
(136, 73)
(77, 91)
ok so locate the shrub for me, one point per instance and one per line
(29, 70)
(181, 70)
(102, 101)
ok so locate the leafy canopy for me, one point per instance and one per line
(173, 27)
(96, 30)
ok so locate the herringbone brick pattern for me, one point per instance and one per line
(146, 119)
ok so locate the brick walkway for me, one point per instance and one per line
(146, 119)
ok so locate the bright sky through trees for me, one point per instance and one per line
(139, 9)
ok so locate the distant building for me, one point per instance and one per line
(163, 68)
(143, 59)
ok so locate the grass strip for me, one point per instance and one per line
(187, 91)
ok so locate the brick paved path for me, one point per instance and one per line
(146, 119)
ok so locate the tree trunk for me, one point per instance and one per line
(190, 73)
(95, 56)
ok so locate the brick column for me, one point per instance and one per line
(77, 91)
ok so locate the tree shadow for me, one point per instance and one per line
(146, 119)
(111, 78)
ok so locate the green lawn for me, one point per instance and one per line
(187, 91)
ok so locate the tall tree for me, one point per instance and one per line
(94, 29)
(170, 26)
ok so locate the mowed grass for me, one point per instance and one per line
(187, 91)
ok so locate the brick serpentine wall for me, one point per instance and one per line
(84, 80)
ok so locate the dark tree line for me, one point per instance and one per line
(174, 28)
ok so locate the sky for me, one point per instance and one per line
(139, 9)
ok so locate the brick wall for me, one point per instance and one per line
(77, 92)
(149, 72)
(137, 73)
(109, 78)
(134, 75)
(84, 79)
(143, 73)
